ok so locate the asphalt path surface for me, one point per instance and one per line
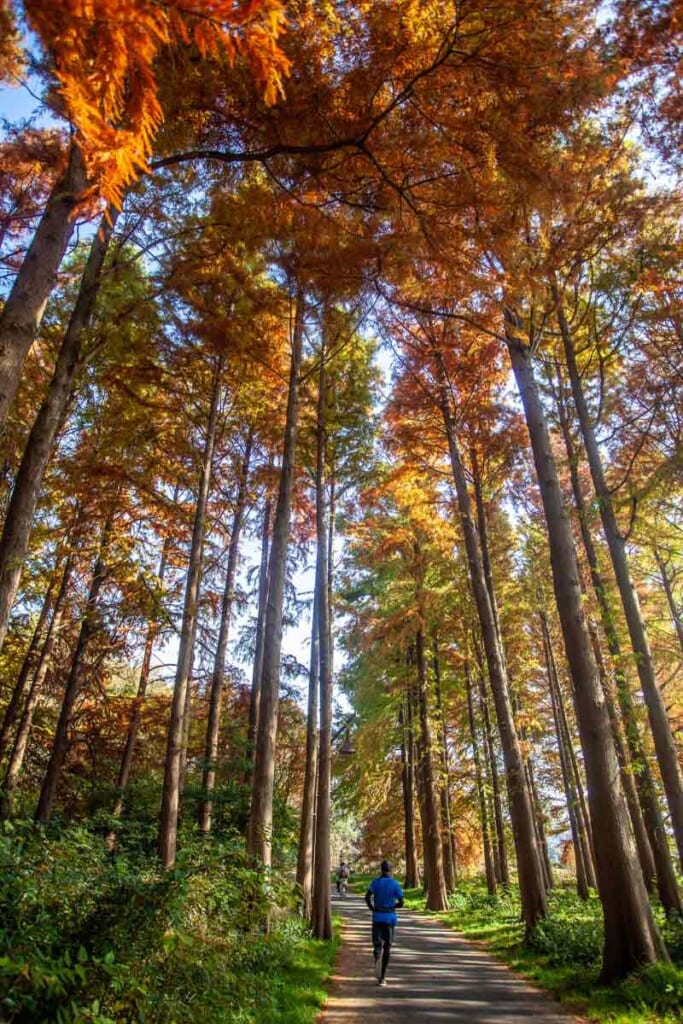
(434, 975)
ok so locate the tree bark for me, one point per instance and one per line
(321, 909)
(412, 876)
(176, 744)
(218, 677)
(665, 747)
(646, 818)
(449, 852)
(37, 277)
(540, 825)
(13, 708)
(437, 898)
(259, 838)
(60, 744)
(631, 936)
(41, 441)
(305, 863)
(491, 879)
(500, 857)
(258, 648)
(532, 889)
(16, 760)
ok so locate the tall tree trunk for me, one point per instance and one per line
(41, 441)
(217, 679)
(73, 684)
(668, 590)
(321, 910)
(582, 883)
(259, 838)
(532, 889)
(13, 708)
(491, 879)
(143, 681)
(260, 636)
(646, 818)
(631, 936)
(665, 747)
(37, 277)
(449, 852)
(412, 876)
(305, 864)
(176, 744)
(500, 856)
(541, 837)
(437, 898)
(16, 760)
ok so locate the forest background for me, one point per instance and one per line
(359, 323)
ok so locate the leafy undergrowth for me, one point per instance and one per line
(563, 956)
(88, 936)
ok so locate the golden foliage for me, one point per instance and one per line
(104, 52)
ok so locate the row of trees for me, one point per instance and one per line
(271, 180)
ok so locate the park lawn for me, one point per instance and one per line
(563, 956)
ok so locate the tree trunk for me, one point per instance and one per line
(258, 648)
(176, 744)
(321, 910)
(412, 876)
(532, 889)
(73, 683)
(41, 441)
(659, 722)
(134, 724)
(36, 279)
(631, 936)
(16, 760)
(437, 898)
(668, 590)
(216, 695)
(540, 825)
(491, 879)
(500, 857)
(259, 838)
(648, 827)
(13, 708)
(449, 853)
(305, 864)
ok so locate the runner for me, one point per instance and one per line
(383, 896)
(342, 876)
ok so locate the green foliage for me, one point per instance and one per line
(99, 935)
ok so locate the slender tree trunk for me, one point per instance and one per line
(60, 744)
(217, 680)
(665, 747)
(449, 855)
(491, 879)
(41, 441)
(437, 898)
(143, 681)
(37, 277)
(21, 739)
(13, 708)
(176, 744)
(668, 590)
(259, 839)
(540, 825)
(648, 827)
(631, 936)
(532, 889)
(260, 636)
(500, 851)
(412, 876)
(305, 865)
(321, 910)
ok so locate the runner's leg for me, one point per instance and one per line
(388, 940)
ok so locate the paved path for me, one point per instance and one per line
(434, 976)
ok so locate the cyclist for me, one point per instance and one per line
(342, 875)
(383, 897)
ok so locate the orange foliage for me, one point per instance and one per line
(104, 51)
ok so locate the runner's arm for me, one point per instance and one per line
(368, 899)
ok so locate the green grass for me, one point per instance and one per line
(564, 954)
